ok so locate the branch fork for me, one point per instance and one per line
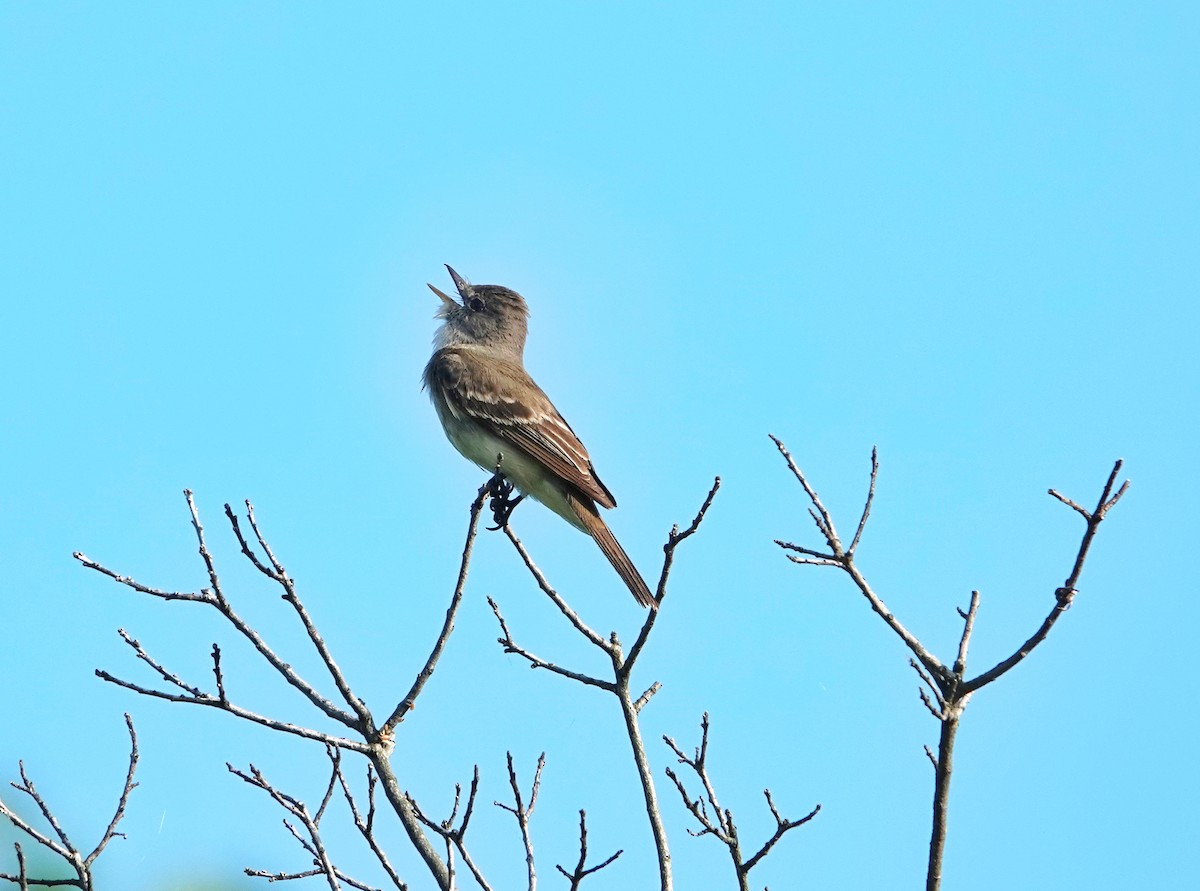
(946, 689)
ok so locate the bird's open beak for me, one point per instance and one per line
(461, 284)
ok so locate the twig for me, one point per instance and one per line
(555, 597)
(718, 821)
(366, 827)
(410, 699)
(237, 711)
(622, 665)
(523, 812)
(1064, 595)
(455, 837)
(844, 560)
(80, 863)
(313, 844)
(949, 686)
(375, 744)
(511, 646)
(582, 871)
(22, 876)
(866, 511)
(215, 597)
(279, 575)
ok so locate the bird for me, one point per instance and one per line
(495, 415)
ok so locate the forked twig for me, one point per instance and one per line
(949, 685)
(523, 812)
(582, 871)
(622, 664)
(717, 821)
(80, 863)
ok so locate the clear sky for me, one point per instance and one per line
(966, 234)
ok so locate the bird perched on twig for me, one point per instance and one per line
(492, 411)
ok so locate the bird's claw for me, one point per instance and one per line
(502, 503)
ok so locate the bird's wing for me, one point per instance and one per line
(503, 398)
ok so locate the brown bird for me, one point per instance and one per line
(489, 406)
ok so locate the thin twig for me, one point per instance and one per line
(455, 837)
(511, 646)
(409, 701)
(214, 596)
(719, 822)
(366, 827)
(523, 812)
(313, 845)
(111, 831)
(237, 711)
(845, 560)
(582, 871)
(1064, 595)
(81, 864)
(278, 574)
(948, 685)
(622, 665)
(866, 511)
(565, 608)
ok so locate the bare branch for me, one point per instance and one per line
(674, 539)
(313, 844)
(933, 688)
(866, 511)
(169, 677)
(781, 826)
(523, 812)
(220, 677)
(622, 669)
(581, 872)
(960, 662)
(555, 597)
(89, 563)
(511, 646)
(22, 876)
(410, 699)
(820, 515)
(1065, 595)
(845, 560)
(814, 561)
(278, 574)
(677, 536)
(800, 549)
(721, 824)
(111, 831)
(641, 701)
(455, 838)
(366, 827)
(63, 847)
(214, 597)
(237, 711)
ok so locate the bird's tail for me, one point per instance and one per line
(595, 526)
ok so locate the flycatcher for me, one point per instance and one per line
(489, 406)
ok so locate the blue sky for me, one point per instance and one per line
(965, 235)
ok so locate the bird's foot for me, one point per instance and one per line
(502, 503)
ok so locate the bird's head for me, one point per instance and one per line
(490, 316)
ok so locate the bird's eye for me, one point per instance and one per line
(475, 304)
